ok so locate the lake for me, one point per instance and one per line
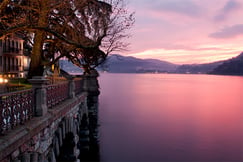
(170, 117)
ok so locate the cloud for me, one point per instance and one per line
(229, 32)
(187, 56)
(229, 7)
(185, 7)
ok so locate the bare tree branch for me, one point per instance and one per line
(76, 29)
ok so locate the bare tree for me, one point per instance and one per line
(72, 28)
(121, 20)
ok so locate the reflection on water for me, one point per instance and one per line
(167, 117)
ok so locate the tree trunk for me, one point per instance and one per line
(36, 66)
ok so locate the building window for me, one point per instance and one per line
(1, 43)
(17, 46)
(8, 46)
(17, 64)
(9, 64)
(4, 46)
(12, 48)
(13, 65)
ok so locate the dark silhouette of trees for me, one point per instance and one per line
(232, 66)
(76, 29)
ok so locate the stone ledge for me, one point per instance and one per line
(18, 136)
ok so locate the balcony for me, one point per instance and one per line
(12, 51)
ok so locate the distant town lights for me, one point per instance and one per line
(2, 80)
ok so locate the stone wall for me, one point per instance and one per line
(63, 133)
(41, 139)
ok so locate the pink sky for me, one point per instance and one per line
(186, 31)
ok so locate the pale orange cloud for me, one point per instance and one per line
(190, 55)
(172, 30)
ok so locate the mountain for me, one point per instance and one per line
(197, 68)
(69, 67)
(232, 66)
(127, 64)
(122, 64)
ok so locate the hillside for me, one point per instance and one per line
(197, 68)
(69, 67)
(232, 66)
(122, 64)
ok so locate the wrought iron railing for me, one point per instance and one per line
(15, 109)
(56, 93)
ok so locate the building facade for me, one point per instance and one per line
(13, 62)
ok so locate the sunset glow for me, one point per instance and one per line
(187, 31)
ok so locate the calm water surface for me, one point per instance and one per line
(168, 117)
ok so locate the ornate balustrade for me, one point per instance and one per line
(56, 93)
(57, 113)
(15, 109)
(18, 107)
